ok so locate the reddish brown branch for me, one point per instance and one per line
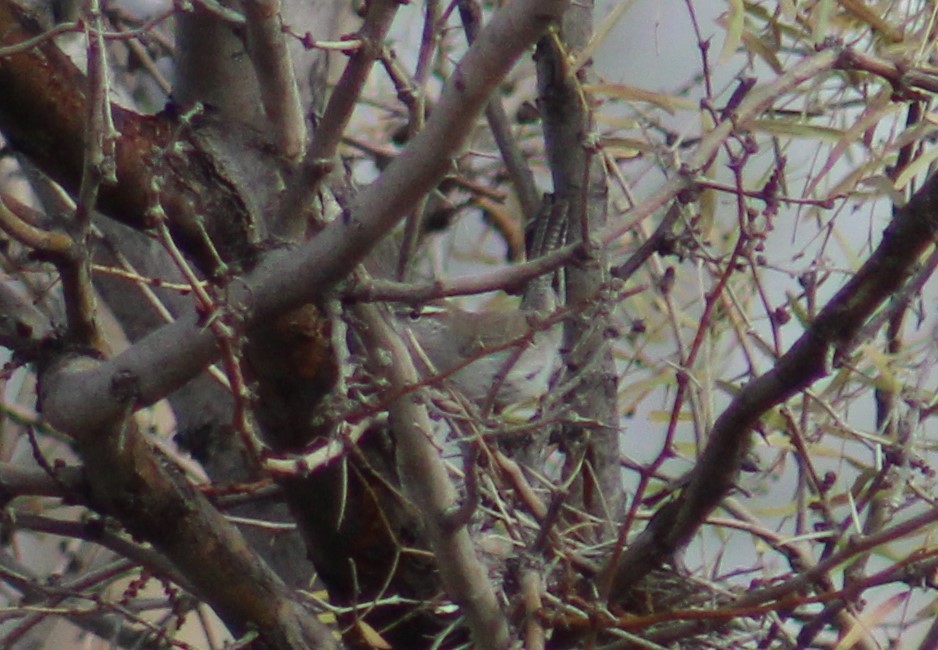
(42, 115)
(829, 338)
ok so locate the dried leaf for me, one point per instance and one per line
(371, 636)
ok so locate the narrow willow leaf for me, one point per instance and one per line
(670, 103)
(796, 129)
(735, 20)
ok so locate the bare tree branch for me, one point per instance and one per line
(427, 484)
(292, 217)
(123, 468)
(176, 352)
(580, 185)
(272, 66)
(697, 226)
(825, 345)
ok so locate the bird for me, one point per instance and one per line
(500, 358)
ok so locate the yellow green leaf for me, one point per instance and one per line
(919, 166)
(820, 20)
(796, 129)
(735, 20)
(625, 92)
(869, 619)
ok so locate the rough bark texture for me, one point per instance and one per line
(207, 175)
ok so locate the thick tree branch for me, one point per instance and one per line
(160, 161)
(128, 479)
(212, 66)
(274, 70)
(427, 484)
(170, 356)
(580, 184)
(826, 343)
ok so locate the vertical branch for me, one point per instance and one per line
(278, 88)
(290, 220)
(98, 165)
(515, 163)
(70, 259)
(416, 99)
(579, 182)
(212, 66)
(100, 134)
(427, 484)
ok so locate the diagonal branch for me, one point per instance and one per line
(129, 480)
(274, 70)
(172, 355)
(427, 484)
(290, 219)
(42, 115)
(827, 342)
